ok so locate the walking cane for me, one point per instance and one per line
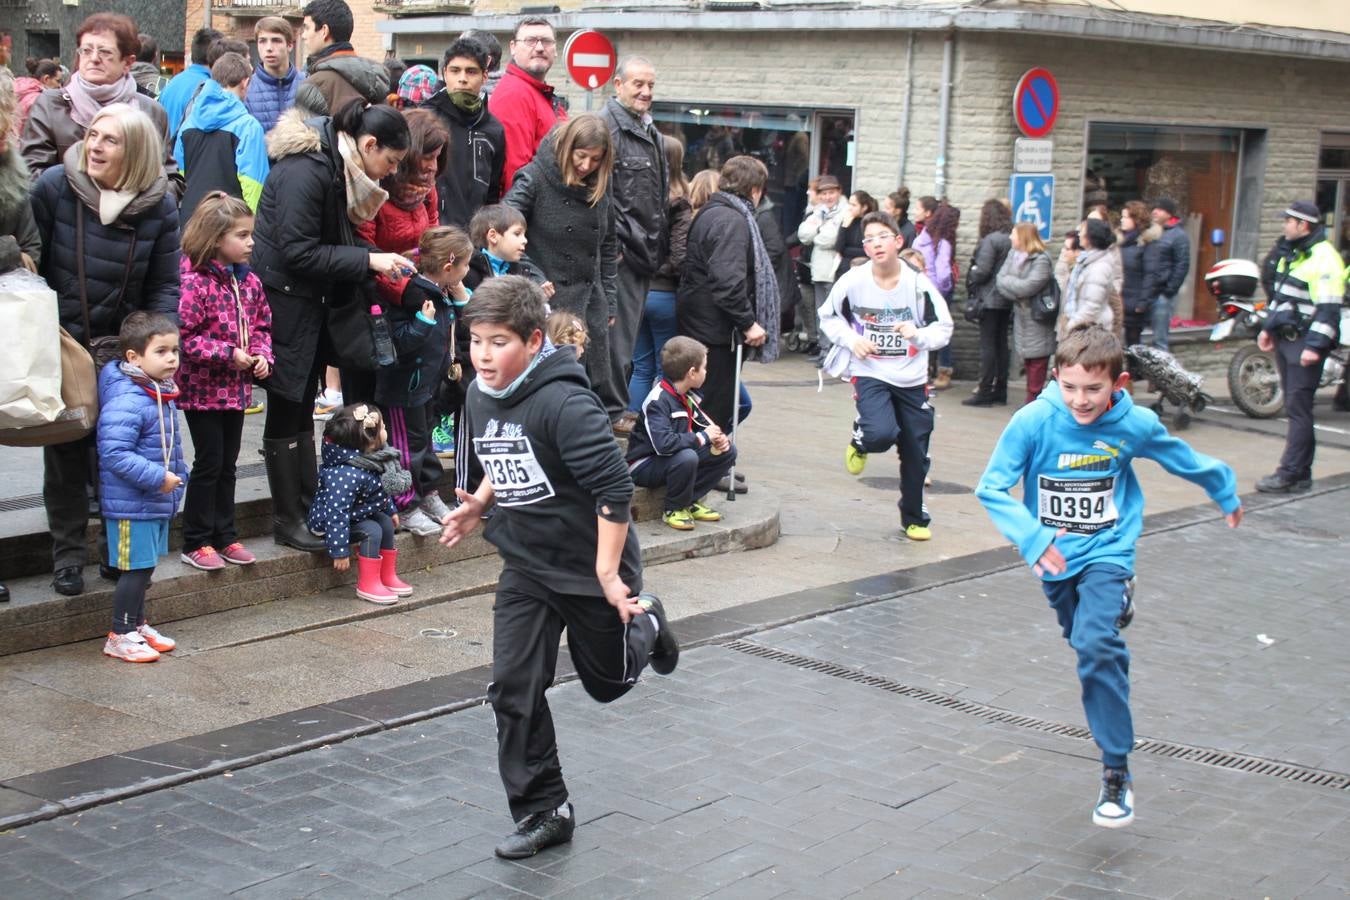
(735, 415)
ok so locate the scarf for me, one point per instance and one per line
(410, 196)
(87, 99)
(364, 196)
(766, 286)
(503, 393)
(467, 101)
(385, 462)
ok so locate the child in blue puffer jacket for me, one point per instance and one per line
(141, 473)
(354, 505)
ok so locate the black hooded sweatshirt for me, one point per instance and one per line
(549, 453)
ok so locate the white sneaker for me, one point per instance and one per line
(1115, 802)
(434, 506)
(156, 640)
(129, 648)
(326, 404)
(419, 523)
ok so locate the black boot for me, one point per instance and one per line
(4, 594)
(282, 459)
(309, 470)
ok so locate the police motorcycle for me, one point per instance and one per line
(1253, 379)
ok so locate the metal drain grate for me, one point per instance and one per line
(1221, 759)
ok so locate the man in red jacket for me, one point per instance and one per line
(523, 102)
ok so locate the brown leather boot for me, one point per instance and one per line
(944, 378)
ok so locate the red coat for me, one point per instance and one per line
(210, 312)
(527, 110)
(395, 230)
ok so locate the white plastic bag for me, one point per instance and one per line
(30, 367)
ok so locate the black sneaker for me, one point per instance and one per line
(68, 581)
(1127, 610)
(1115, 802)
(666, 653)
(538, 832)
(1278, 484)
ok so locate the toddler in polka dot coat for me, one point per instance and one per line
(352, 506)
(227, 344)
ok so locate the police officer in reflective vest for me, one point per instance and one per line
(1303, 327)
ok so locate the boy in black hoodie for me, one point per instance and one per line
(552, 468)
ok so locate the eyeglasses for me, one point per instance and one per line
(879, 239)
(537, 42)
(103, 53)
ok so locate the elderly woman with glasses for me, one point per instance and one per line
(107, 45)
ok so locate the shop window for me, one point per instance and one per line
(1195, 166)
(1333, 189)
(794, 144)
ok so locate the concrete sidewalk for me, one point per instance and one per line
(928, 745)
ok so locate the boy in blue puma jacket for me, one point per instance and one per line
(1078, 520)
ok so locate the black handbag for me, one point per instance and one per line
(360, 333)
(1045, 305)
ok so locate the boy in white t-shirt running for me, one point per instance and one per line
(883, 319)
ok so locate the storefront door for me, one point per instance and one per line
(1333, 189)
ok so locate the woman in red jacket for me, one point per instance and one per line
(412, 205)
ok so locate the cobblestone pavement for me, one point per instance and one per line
(744, 776)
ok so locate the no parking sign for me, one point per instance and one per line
(1036, 102)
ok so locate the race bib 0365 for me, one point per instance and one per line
(1078, 505)
(516, 477)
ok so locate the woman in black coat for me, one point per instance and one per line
(323, 182)
(716, 299)
(850, 240)
(564, 195)
(996, 310)
(1139, 264)
(109, 228)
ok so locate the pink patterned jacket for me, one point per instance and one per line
(220, 313)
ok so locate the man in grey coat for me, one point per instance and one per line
(640, 185)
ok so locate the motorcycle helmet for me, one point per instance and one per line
(1233, 278)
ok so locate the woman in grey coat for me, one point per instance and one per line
(996, 310)
(1087, 287)
(565, 197)
(1025, 275)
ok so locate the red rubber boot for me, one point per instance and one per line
(368, 583)
(389, 574)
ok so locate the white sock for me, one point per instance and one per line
(565, 811)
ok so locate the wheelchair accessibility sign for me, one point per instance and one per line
(1033, 200)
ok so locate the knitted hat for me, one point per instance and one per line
(417, 84)
(1167, 205)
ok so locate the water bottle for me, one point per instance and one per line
(382, 340)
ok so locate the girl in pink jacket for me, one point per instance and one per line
(227, 344)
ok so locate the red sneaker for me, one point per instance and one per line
(204, 558)
(238, 554)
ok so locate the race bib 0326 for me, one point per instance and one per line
(1078, 505)
(516, 477)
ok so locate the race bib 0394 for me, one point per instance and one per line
(1078, 505)
(516, 477)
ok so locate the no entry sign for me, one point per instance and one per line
(590, 58)
(1036, 103)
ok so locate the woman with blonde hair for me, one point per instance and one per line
(564, 195)
(109, 228)
(702, 186)
(1024, 276)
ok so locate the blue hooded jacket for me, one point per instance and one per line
(269, 97)
(178, 93)
(220, 148)
(131, 447)
(1080, 478)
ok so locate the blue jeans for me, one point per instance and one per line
(657, 327)
(1161, 315)
(1088, 605)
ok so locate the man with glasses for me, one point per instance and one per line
(106, 46)
(523, 102)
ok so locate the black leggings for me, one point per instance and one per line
(373, 535)
(129, 600)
